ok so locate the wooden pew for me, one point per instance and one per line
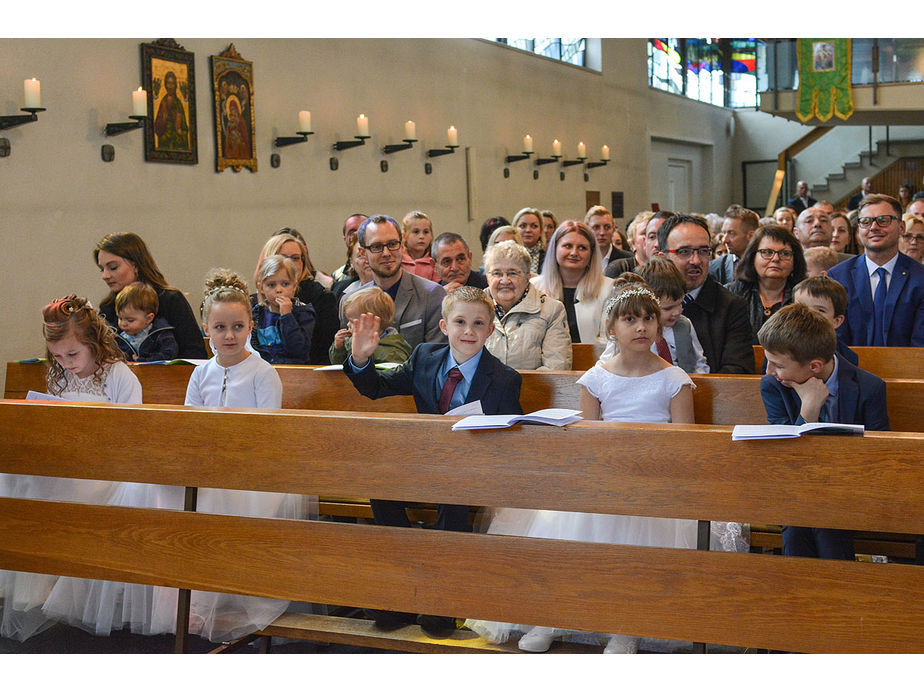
(717, 399)
(886, 362)
(764, 601)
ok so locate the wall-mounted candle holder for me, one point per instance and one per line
(286, 141)
(12, 121)
(392, 148)
(517, 157)
(450, 149)
(357, 141)
(550, 160)
(119, 128)
(595, 164)
(574, 162)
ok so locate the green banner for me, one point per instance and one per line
(824, 79)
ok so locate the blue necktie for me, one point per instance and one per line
(879, 306)
(687, 300)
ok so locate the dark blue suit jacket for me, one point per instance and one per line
(861, 399)
(904, 303)
(495, 384)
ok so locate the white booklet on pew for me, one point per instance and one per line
(551, 417)
(783, 431)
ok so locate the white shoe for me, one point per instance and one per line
(539, 638)
(621, 644)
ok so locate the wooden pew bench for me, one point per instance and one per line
(886, 362)
(750, 600)
(717, 399)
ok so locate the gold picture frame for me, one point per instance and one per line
(168, 74)
(232, 88)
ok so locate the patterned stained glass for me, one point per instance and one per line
(568, 50)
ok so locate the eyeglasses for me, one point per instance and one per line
(912, 238)
(882, 221)
(376, 248)
(509, 274)
(685, 253)
(767, 253)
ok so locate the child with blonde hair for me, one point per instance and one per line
(283, 325)
(392, 348)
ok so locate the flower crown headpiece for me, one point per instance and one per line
(225, 287)
(68, 305)
(627, 293)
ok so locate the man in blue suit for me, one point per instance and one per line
(807, 382)
(440, 377)
(886, 287)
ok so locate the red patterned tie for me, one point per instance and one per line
(455, 376)
(664, 351)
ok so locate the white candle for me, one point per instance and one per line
(582, 150)
(605, 153)
(410, 130)
(362, 125)
(304, 121)
(33, 93)
(139, 102)
(527, 144)
(453, 136)
(556, 148)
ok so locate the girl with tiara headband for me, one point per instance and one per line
(635, 385)
(235, 377)
(84, 365)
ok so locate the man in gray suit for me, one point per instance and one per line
(417, 300)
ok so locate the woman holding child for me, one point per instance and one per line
(571, 273)
(530, 328)
(124, 258)
(770, 267)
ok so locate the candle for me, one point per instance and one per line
(605, 153)
(362, 125)
(410, 130)
(556, 148)
(33, 91)
(304, 121)
(527, 145)
(582, 150)
(453, 136)
(139, 102)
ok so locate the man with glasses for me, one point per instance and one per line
(719, 317)
(417, 300)
(886, 287)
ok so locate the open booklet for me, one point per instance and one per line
(552, 417)
(783, 431)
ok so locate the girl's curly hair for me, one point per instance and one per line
(223, 286)
(75, 316)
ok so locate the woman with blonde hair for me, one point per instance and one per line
(571, 273)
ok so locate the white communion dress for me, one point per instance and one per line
(252, 383)
(644, 399)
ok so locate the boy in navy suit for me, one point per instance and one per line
(440, 377)
(807, 382)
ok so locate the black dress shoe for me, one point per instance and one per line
(437, 626)
(391, 620)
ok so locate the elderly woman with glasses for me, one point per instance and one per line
(772, 264)
(530, 328)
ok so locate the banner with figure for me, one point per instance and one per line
(824, 79)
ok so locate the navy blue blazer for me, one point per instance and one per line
(904, 303)
(861, 399)
(495, 384)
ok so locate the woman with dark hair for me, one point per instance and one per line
(124, 258)
(843, 239)
(772, 264)
(487, 228)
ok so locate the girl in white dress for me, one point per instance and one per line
(236, 377)
(635, 385)
(84, 365)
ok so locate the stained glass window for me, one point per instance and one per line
(569, 50)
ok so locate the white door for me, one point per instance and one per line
(678, 184)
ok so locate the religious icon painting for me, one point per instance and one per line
(168, 75)
(232, 86)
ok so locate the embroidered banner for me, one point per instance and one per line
(824, 79)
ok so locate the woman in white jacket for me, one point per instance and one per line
(571, 274)
(530, 328)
